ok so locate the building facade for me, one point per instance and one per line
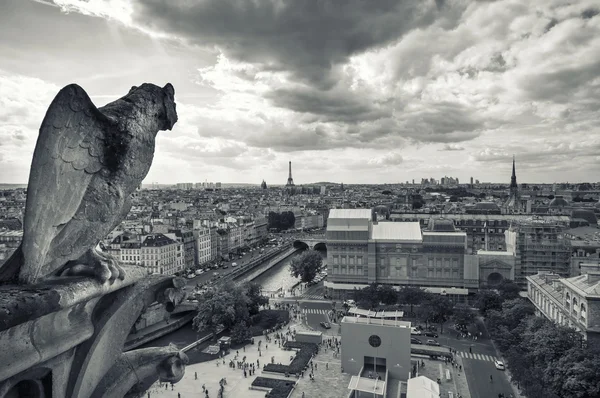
(162, 255)
(538, 245)
(186, 237)
(484, 231)
(572, 302)
(203, 245)
(361, 252)
(384, 343)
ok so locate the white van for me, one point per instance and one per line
(234, 264)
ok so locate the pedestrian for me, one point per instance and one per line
(196, 375)
(148, 394)
(470, 350)
(167, 386)
(178, 395)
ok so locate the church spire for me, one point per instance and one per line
(513, 178)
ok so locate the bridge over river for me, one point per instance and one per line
(310, 241)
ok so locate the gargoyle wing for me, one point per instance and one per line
(69, 151)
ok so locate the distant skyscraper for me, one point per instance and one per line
(290, 181)
(263, 185)
(471, 180)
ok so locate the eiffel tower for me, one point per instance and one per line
(290, 181)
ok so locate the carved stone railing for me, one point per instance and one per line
(65, 338)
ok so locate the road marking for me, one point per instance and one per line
(480, 357)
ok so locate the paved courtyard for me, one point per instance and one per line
(329, 381)
(209, 374)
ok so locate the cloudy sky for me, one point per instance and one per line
(356, 91)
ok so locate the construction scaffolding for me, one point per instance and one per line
(539, 245)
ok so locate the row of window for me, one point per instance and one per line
(351, 260)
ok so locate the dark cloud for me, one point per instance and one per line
(590, 13)
(561, 85)
(305, 37)
(327, 105)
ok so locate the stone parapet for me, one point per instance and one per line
(65, 337)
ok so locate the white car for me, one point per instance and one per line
(499, 364)
(234, 264)
(415, 332)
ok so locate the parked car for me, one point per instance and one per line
(414, 340)
(225, 266)
(199, 272)
(431, 334)
(432, 342)
(190, 276)
(326, 325)
(499, 364)
(415, 331)
(234, 264)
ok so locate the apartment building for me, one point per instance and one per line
(161, 254)
(573, 302)
(203, 245)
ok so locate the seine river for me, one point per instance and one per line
(279, 277)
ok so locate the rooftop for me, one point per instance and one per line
(350, 213)
(376, 321)
(403, 231)
(589, 284)
(422, 387)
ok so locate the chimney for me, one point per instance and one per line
(593, 277)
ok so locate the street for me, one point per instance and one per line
(478, 356)
(207, 275)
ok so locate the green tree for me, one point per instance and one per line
(240, 333)
(488, 300)
(439, 310)
(253, 291)
(306, 265)
(463, 316)
(509, 290)
(412, 296)
(368, 297)
(387, 294)
(224, 306)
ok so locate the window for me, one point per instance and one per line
(374, 341)
(336, 259)
(430, 262)
(359, 260)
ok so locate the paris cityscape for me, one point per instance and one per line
(296, 199)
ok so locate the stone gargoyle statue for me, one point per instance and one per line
(87, 163)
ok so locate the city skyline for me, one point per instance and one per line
(440, 88)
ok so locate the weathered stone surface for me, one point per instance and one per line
(20, 304)
(86, 164)
(137, 368)
(115, 315)
(64, 337)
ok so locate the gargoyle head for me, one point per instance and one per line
(160, 100)
(172, 368)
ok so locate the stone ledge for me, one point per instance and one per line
(21, 304)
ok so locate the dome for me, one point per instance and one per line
(558, 201)
(487, 206)
(585, 214)
(442, 225)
